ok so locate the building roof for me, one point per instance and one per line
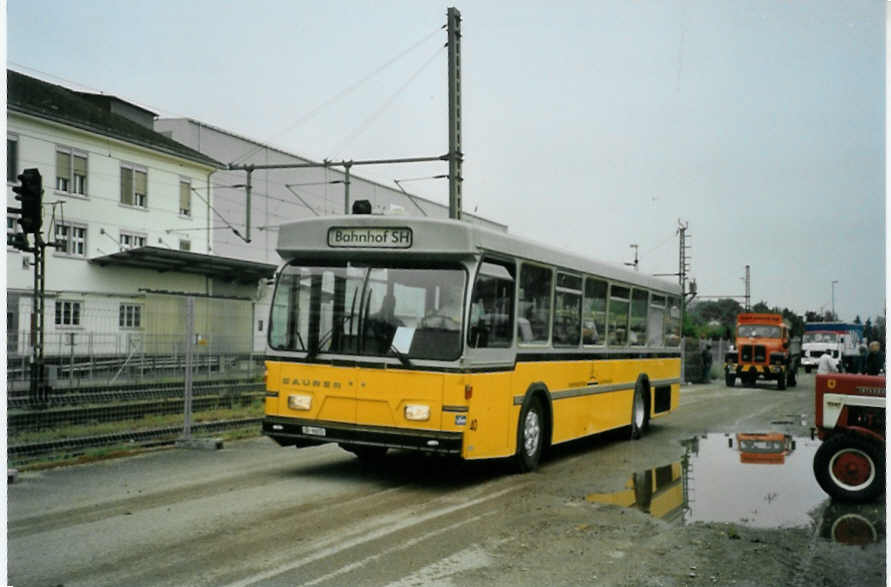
(164, 260)
(35, 97)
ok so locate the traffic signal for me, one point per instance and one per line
(30, 194)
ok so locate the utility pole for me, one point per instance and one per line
(456, 155)
(748, 289)
(834, 281)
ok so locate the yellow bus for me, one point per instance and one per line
(447, 337)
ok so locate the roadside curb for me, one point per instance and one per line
(200, 443)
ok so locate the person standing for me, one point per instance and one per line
(826, 364)
(862, 352)
(707, 363)
(874, 361)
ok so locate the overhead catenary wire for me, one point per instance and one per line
(339, 95)
(227, 223)
(387, 103)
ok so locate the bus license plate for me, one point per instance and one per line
(313, 430)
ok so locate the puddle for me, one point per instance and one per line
(757, 480)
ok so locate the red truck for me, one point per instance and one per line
(850, 410)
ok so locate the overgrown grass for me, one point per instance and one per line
(252, 410)
(116, 451)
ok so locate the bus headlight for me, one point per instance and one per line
(418, 412)
(300, 402)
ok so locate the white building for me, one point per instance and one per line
(130, 210)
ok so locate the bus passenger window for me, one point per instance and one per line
(567, 310)
(534, 311)
(638, 324)
(655, 319)
(673, 323)
(618, 315)
(492, 307)
(594, 312)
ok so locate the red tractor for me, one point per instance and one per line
(850, 463)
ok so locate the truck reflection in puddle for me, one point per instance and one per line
(757, 480)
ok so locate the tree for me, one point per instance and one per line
(761, 308)
(812, 316)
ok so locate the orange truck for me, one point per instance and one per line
(765, 350)
(770, 448)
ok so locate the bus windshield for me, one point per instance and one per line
(410, 312)
(758, 331)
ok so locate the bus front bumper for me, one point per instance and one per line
(298, 432)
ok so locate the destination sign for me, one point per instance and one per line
(368, 237)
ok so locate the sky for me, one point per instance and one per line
(589, 125)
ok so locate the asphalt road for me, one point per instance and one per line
(258, 514)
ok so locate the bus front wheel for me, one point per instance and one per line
(530, 438)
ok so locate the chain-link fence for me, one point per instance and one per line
(695, 361)
(120, 373)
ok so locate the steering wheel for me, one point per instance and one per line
(441, 321)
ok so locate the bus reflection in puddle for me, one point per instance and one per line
(757, 480)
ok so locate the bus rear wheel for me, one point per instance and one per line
(530, 437)
(640, 411)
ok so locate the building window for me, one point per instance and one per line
(134, 186)
(12, 158)
(185, 245)
(71, 171)
(67, 313)
(131, 240)
(71, 239)
(130, 316)
(185, 198)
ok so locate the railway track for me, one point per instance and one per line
(105, 395)
(86, 408)
(22, 453)
(43, 419)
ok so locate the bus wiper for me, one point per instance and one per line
(311, 354)
(403, 358)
